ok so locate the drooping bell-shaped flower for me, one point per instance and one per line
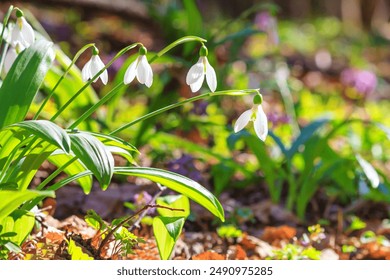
(257, 116)
(22, 32)
(141, 69)
(198, 71)
(9, 59)
(94, 66)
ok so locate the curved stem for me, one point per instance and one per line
(120, 53)
(81, 51)
(92, 109)
(55, 173)
(113, 91)
(178, 104)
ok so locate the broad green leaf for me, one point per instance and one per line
(23, 82)
(58, 158)
(76, 252)
(178, 183)
(166, 231)
(11, 200)
(9, 186)
(305, 135)
(95, 156)
(110, 140)
(24, 171)
(174, 201)
(47, 131)
(20, 222)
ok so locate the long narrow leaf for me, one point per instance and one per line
(23, 82)
(178, 183)
(48, 131)
(95, 156)
(11, 200)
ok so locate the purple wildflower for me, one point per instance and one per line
(186, 167)
(268, 23)
(363, 81)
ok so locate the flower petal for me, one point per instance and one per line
(16, 37)
(144, 71)
(242, 120)
(261, 124)
(27, 32)
(196, 72)
(9, 59)
(211, 77)
(131, 72)
(86, 71)
(96, 66)
(195, 86)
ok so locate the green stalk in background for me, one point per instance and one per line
(189, 100)
(113, 91)
(81, 51)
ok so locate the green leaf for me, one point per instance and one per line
(178, 183)
(58, 158)
(21, 223)
(95, 156)
(369, 171)
(76, 252)
(9, 186)
(166, 231)
(174, 201)
(47, 131)
(306, 133)
(11, 200)
(23, 81)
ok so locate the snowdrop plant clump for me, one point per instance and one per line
(83, 154)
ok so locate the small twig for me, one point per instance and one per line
(152, 201)
(146, 207)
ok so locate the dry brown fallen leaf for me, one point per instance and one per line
(274, 235)
(209, 255)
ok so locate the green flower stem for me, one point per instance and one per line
(178, 104)
(292, 188)
(120, 53)
(55, 173)
(76, 57)
(176, 43)
(92, 109)
(113, 91)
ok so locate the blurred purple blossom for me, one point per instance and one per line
(186, 167)
(363, 81)
(268, 23)
(200, 108)
(278, 119)
(142, 198)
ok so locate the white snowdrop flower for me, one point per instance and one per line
(94, 66)
(7, 32)
(141, 69)
(257, 116)
(22, 32)
(195, 75)
(10, 58)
